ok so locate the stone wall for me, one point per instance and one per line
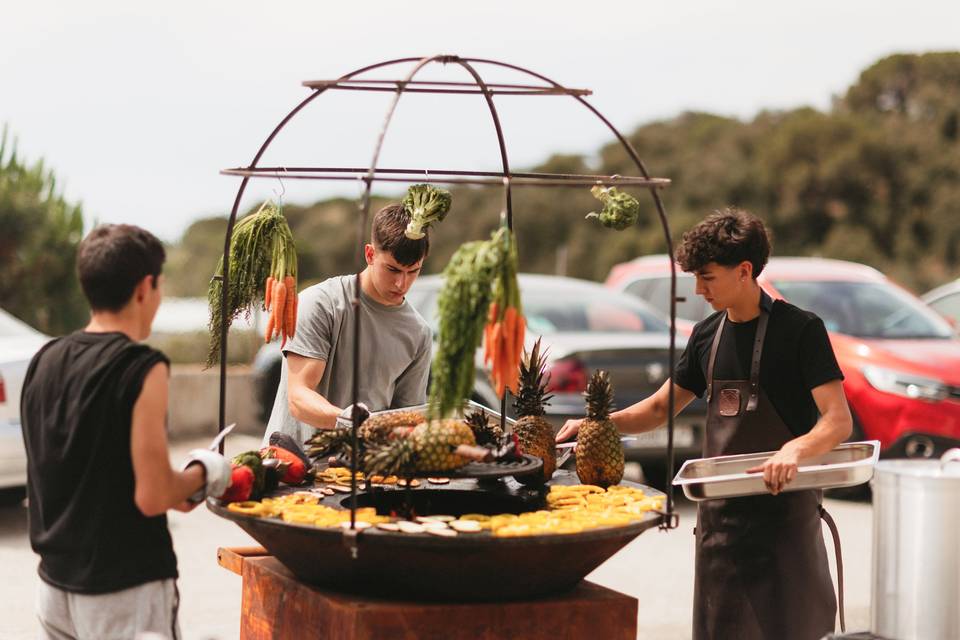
(194, 401)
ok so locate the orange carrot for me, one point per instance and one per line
(290, 319)
(509, 335)
(279, 301)
(296, 310)
(268, 336)
(267, 292)
(493, 313)
(494, 353)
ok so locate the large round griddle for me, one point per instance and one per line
(469, 567)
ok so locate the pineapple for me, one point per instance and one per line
(599, 454)
(533, 431)
(380, 428)
(329, 442)
(484, 431)
(429, 447)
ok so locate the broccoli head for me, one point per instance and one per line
(620, 210)
(425, 204)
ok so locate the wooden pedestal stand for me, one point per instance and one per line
(277, 605)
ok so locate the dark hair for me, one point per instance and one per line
(387, 234)
(112, 259)
(727, 237)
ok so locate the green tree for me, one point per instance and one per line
(41, 231)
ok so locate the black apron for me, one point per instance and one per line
(761, 565)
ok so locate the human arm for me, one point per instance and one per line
(305, 404)
(157, 486)
(833, 427)
(645, 415)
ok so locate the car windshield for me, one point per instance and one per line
(562, 310)
(558, 311)
(865, 309)
(11, 327)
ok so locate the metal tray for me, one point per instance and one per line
(849, 464)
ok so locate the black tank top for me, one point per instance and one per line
(76, 409)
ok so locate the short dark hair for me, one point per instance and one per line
(112, 259)
(727, 237)
(389, 225)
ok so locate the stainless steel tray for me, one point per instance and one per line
(849, 464)
(469, 405)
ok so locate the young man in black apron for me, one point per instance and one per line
(772, 384)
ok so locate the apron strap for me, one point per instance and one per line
(713, 354)
(755, 362)
(754, 399)
(836, 548)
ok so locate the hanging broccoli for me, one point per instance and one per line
(425, 204)
(620, 210)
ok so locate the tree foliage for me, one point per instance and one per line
(874, 179)
(38, 243)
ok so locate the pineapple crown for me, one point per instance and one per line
(599, 395)
(331, 441)
(483, 431)
(532, 396)
(394, 458)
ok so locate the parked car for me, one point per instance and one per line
(586, 327)
(900, 360)
(18, 343)
(945, 300)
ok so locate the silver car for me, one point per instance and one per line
(18, 343)
(588, 327)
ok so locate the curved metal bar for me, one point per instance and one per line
(365, 213)
(221, 422)
(669, 521)
(438, 86)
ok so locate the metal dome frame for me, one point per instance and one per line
(505, 178)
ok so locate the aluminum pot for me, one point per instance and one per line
(916, 549)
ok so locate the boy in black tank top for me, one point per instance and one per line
(99, 479)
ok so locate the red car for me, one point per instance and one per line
(900, 360)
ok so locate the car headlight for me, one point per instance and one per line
(906, 385)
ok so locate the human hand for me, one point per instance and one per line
(217, 470)
(345, 418)
(569, 429)
(779, 470)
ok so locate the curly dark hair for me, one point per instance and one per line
(727, 237)
(387, 234)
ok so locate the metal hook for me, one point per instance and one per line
(283, 188)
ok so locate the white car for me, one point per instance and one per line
(945, 300)
(18, 343)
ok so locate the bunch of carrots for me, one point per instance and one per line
(503, 339)
(263, 267)
(280, 299)
(504, 333)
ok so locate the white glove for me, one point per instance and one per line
(218, 471)
(345, 419)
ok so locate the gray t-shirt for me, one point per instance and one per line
(395, 348)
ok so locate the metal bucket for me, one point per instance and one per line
(916, 549)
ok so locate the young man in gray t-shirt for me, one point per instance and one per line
(316, 381)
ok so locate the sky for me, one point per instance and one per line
(137, 106)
